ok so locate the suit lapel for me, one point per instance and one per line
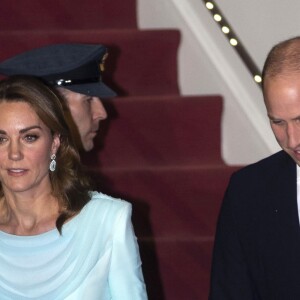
(285, 245)
(285, 196)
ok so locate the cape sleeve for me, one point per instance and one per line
(125, 277)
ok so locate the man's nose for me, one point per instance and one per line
(99, 111)
(293, 133)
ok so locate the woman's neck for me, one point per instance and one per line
(28, 215)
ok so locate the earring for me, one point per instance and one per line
(52, 165)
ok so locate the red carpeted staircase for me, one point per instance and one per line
(158, 150)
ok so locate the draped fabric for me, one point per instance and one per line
(96, 257)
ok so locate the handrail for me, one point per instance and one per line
(234, 41)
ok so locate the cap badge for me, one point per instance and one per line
(101, 65)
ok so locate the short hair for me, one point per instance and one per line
(69, 182)
(283, 59)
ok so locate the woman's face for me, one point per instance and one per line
(26, 145)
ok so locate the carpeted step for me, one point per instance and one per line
(177, 268)
(180, 202)
(159, 131)
(174, 215)
(175, 212)
(67, 14)
(141, 62)
(163, 155)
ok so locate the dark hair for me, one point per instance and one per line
(69, 183)
(283, 59)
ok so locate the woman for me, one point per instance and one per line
(58, 240)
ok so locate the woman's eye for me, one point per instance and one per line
(31, 138)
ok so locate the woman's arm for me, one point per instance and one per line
(126, 278)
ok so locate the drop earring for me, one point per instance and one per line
(52, 165)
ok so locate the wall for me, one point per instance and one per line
(209, 65)
(261, 24)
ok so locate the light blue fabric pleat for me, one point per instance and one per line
(96, 257)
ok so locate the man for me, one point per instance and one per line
(257, 245)
(76, 71)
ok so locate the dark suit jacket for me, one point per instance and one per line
(257, 246)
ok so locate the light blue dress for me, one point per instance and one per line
(96, 257)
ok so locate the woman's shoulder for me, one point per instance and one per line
(102, 210)
(107, 204)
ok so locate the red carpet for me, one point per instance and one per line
(159, 131)
(67, 14)
(158, 150)
(162, 153)
(135, 66)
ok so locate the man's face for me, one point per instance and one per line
(86, 112)
(282, 99)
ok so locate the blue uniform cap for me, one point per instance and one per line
(77, 67)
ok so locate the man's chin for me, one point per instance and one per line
(295, 157)
(88, 146)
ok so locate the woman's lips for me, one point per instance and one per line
(16, 172)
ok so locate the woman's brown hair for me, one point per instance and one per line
(69, 182)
